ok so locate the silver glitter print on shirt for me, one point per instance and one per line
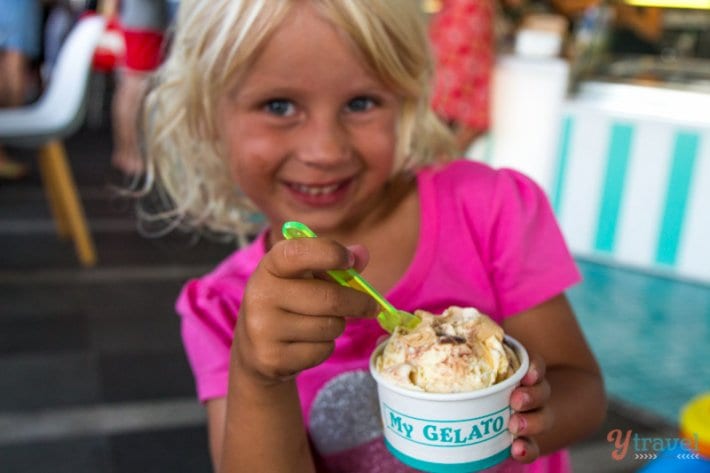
(345, 413)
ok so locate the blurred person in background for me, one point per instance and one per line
(636, 30)
(461, 33)
(144, 23)
(60, 18)
(20, 39)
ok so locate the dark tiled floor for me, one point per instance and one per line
(159, 451)
(72, 455)
(94, 378)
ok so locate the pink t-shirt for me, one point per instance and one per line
(488, 239)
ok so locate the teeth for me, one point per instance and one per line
(315, 190)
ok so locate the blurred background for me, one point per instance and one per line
(606, 105)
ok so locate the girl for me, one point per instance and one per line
(316, 110)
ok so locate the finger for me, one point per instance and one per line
(536, 371)
(526, 398)
(302, 256)
(524, 450)
(324, 298)
(531, 423)
(296, 328)
(362, 256)
(283, 361)
(308, 354)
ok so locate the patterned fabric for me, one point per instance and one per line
(461, 34)
(488, 239)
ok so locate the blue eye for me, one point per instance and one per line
(360, 104)
(280, 107)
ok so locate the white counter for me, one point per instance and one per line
(631, 179)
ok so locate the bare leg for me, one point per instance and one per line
(15, 77)
(13, 70)
(4, 85)
(126, 117)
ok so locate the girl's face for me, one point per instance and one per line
(310, 132)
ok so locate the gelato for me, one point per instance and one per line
(457, 351)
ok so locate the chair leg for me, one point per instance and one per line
(57, 171)
(55, 205)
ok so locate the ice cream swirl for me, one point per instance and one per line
(457, 351)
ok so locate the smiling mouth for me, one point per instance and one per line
(319, 195)
(315, 190)
(318, 190)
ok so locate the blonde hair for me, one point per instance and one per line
(215, 42)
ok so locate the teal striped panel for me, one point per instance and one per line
(684, 157)
(617, 165)
(562, 161)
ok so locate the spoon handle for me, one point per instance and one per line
(390, 317)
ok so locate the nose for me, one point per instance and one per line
(323, 141)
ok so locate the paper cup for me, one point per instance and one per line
(449, 433)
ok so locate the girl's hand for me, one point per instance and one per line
(291, 313)
(533, 415)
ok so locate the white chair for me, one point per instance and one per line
(58, 112)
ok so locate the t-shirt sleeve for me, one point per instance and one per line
(208, 308)
(208, 314)
(528, 260)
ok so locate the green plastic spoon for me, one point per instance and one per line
(390, 317)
